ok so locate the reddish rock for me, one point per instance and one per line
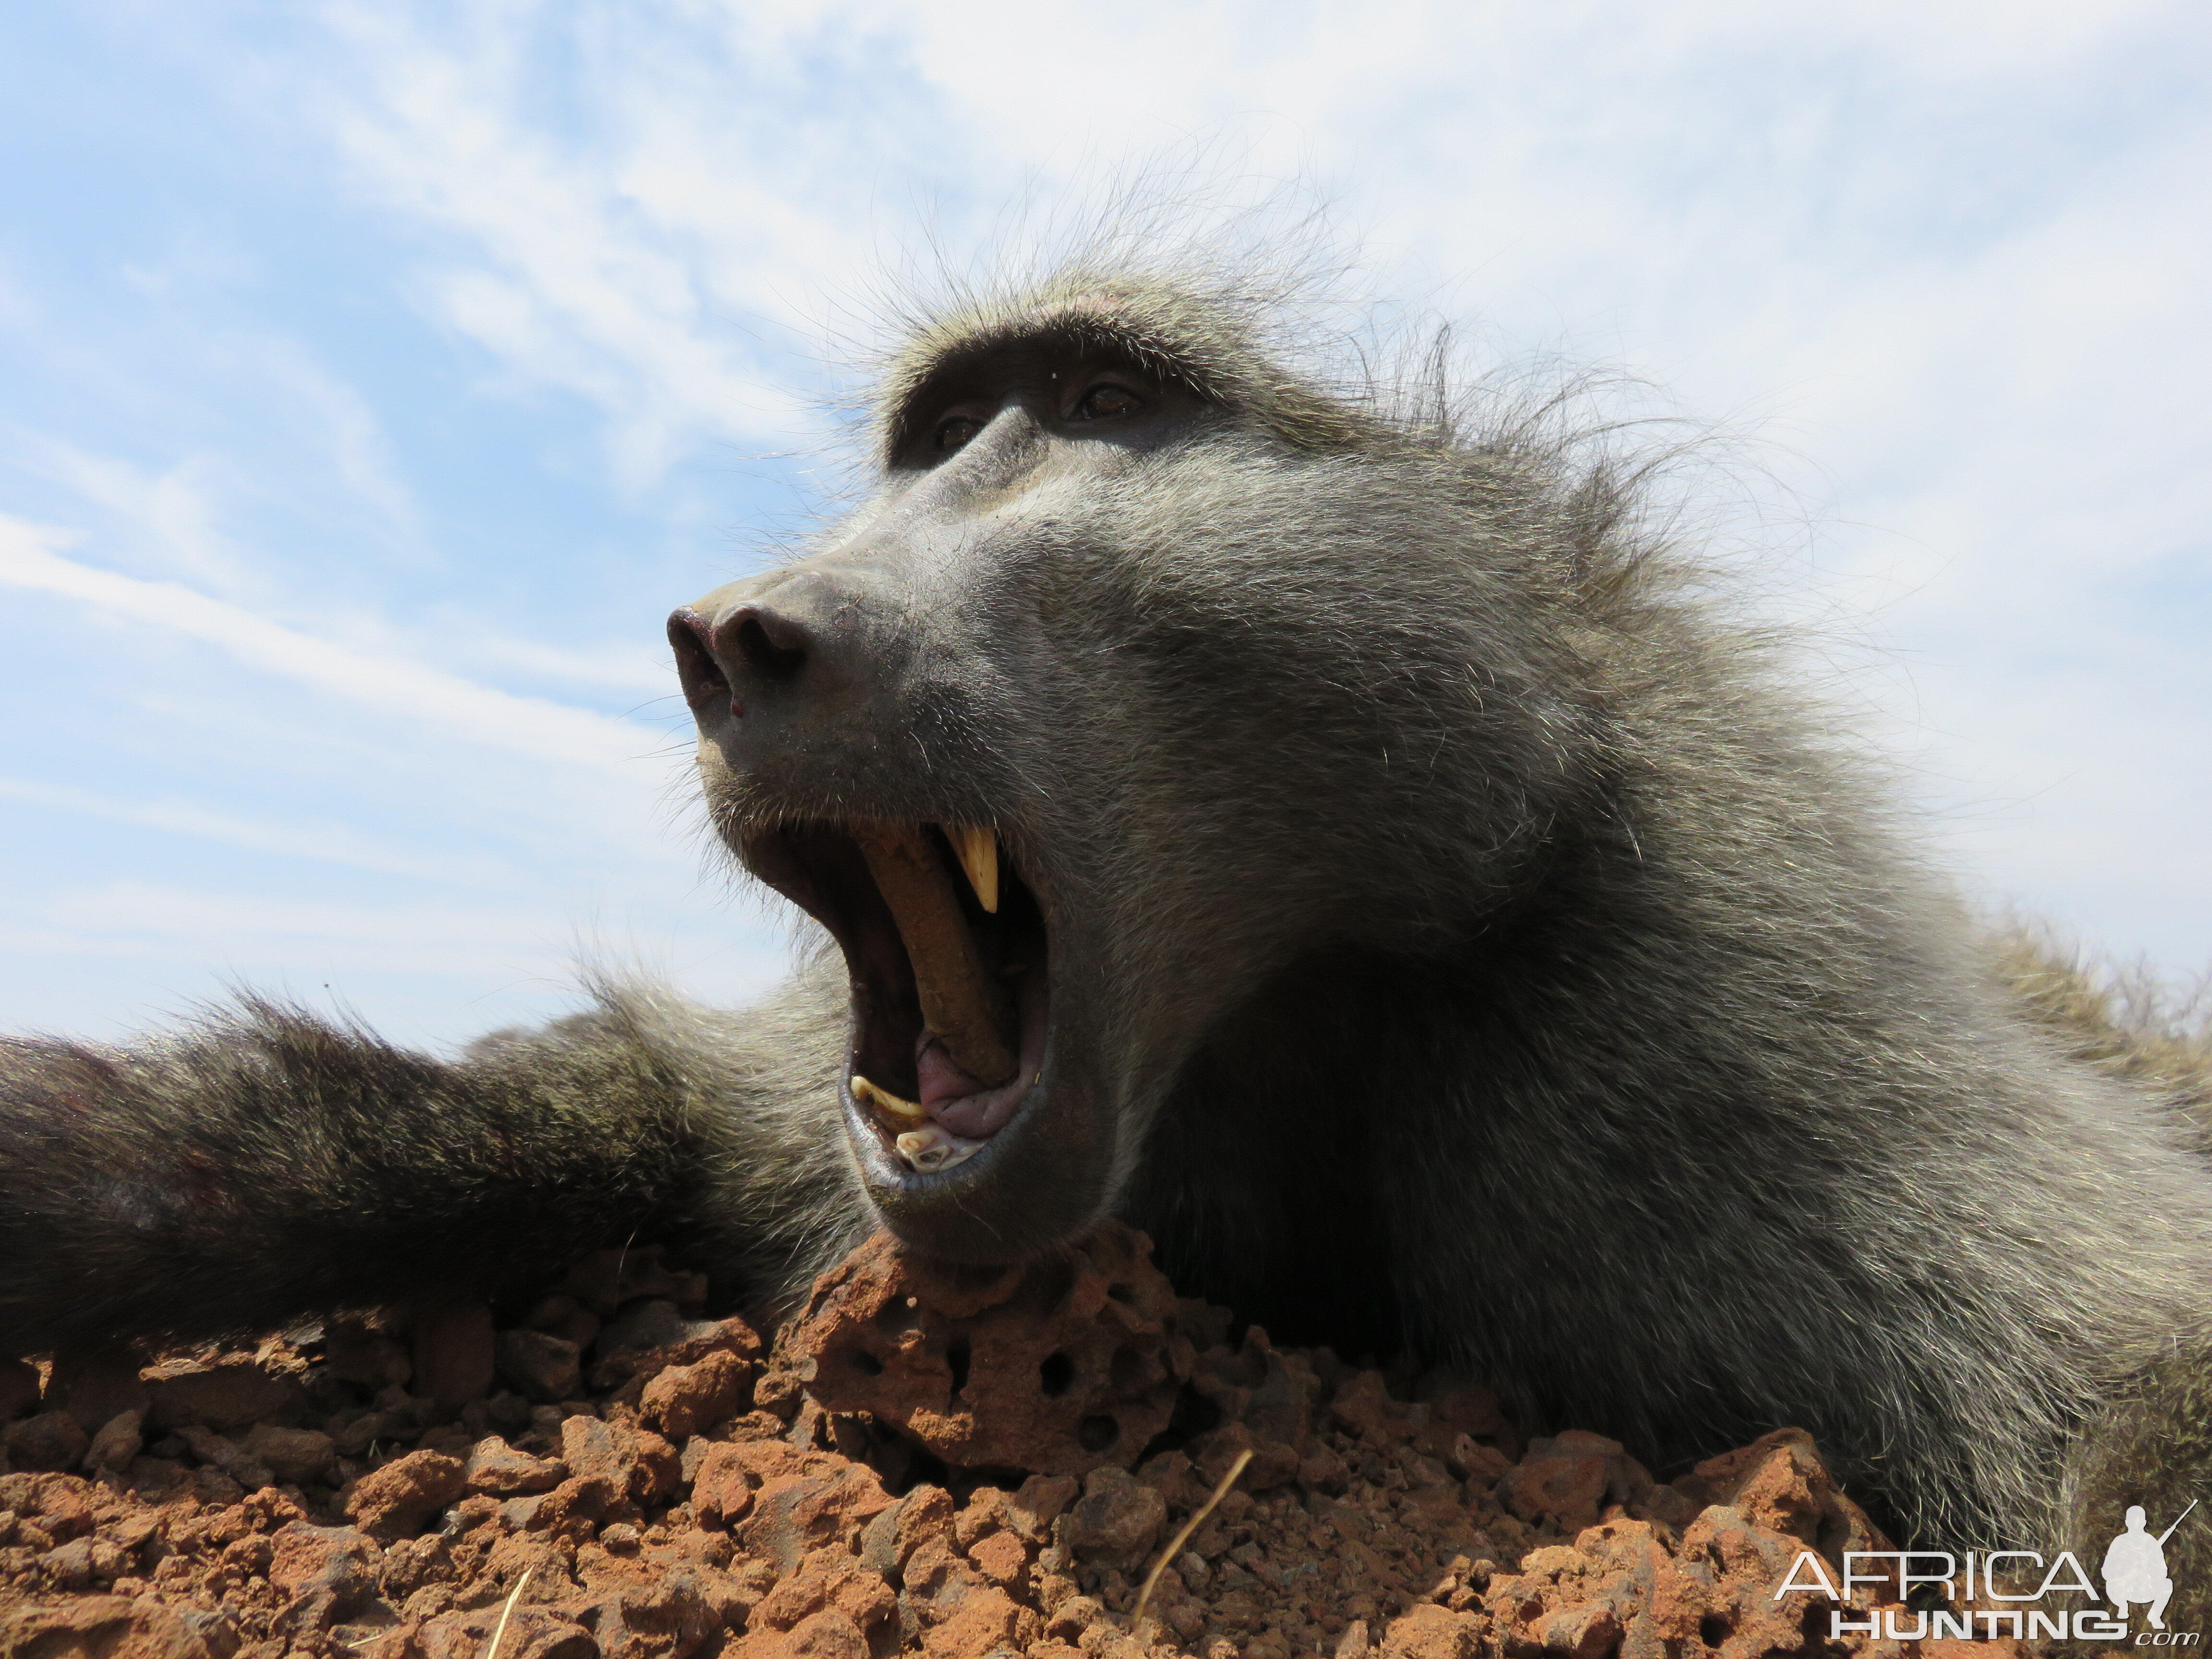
(65, 1505)
(121, 1438)
(1271, 1395)
(496, 1467)
(293, 1455)
(1363, 1408)
(1273, 1463)
(983, 1622)
(532, 1633)
(219, 1452)
(604, 1454)
(673, 1341)
(51, 1440)
(830, 1503)
(226, 1392)
(1429, 1632)
(355, 1352)
(1573, 1479)
(96, 1386)
(829, 1578)
(453, 1354)
(572, 1499)
(937, 1577)
(1323, 1470)
(659, 1474)
(682, 1400)
(1115, 1522)
(1628, 1584)
(1412, 1539)
(326, 1573)
(400, 1498)
(1059, 1368)
(721, 1491)
(538, 1366)
(889, 1541)
(828, 1634)
(659, 1616)
(1038, 1502)
(108, 1626)
(1779, 1483)
(1002, 1557)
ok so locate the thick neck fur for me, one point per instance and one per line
(1655, 1122)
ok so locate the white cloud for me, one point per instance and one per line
(524, 725)
(174, 511)
(132, 916)
(1954, 258)
(331, 843)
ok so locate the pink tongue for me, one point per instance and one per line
(958, 1103)
(942, 1082)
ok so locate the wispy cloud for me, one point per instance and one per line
(575, 274)
(424, 375)
(329, 843)
(523, 725)
(128, 916)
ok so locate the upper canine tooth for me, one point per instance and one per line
(978, 852)
(963, 1003)
(883, 1100)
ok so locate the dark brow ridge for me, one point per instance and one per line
(1120, 339)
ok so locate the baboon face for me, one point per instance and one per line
(1126, 691)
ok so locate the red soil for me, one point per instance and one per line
(928, 1461)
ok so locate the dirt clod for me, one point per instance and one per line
(917, 1467)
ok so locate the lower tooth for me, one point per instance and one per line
(928, 1151)
(883, 1100)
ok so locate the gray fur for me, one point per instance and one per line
(1464, 938)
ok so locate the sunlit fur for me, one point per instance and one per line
(1488, 952)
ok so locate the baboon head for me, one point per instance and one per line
(1148, 671)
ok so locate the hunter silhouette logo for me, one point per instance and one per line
(2135, 1567)
(2134, 1572)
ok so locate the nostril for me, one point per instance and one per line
(702, 675)
(771, 659)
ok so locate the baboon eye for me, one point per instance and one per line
(955, 432)
(1106, 400)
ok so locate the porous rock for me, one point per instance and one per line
(1059, 1368)
(1379, 1518)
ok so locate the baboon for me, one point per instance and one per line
(1326, 834)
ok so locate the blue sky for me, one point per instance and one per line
(372, 381)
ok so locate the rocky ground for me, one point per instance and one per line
(956, 1465)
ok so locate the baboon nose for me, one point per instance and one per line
(762, 643)
(754, 647)
(704, 683)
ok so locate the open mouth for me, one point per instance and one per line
(945, 948)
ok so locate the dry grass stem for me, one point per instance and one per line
(499, 1630)
(1183, 1534)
